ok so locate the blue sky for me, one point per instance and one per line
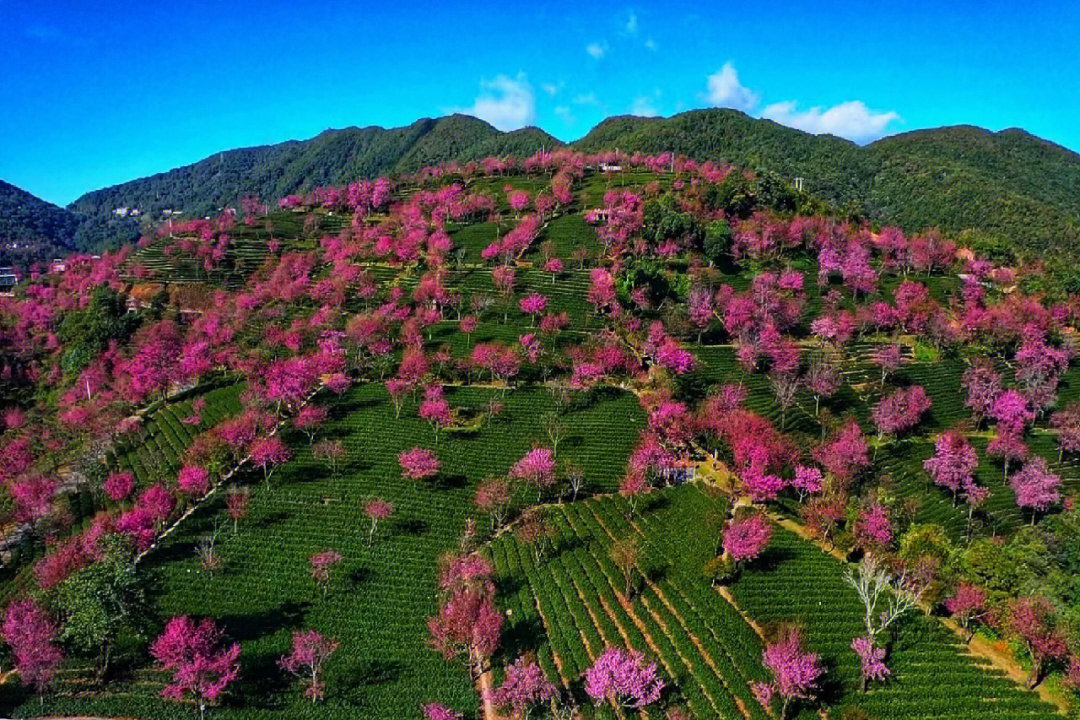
(98, 93)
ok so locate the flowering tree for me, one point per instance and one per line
(796, 672)
(845, 453)
(31, 634)
(1007, 445)
(536, 467)
(193, 480)
(201, 667)
(418, 463)
(435, 410)
(1012, 412)
(745, 538)
(871, 661)
(321, 564)
(330, 452)
(524, 686)
(872, 530)
(236, 504)
(966, 605)
(807, 479)
(310, 651)
(267, 453)
(1036, 488)
(624, 678)
(377, 509)
(118, 485)
(953, 464)
(900, 410)
(493, 498)
(468, 623)
(438, 711)
(1067, 424)
(982, 384)
(1031, 619)
(888, 358)
(309, 420)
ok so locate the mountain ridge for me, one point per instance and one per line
(1009, 189)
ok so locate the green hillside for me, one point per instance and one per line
(31, 227)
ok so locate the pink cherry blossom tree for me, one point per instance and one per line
(953, 464)
(524, 687)
(267, 453)
(31, 634)
(202, 667)
(966, 605)
(1036, 488)
(796, 672)
(871, 661)
(377, 509)
(321, 564)
(419, 463)
(624, 678)
(745, 538)
(1032, 621)
(310, 651)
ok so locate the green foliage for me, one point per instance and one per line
(652, 275)
(104, 604)
(1008, 185)
(663, 221)
(85, 333)
(43, 230)
(334, 157)
(717, 243)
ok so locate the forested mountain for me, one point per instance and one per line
(1005, 191)
(31, 227)
(1009, 185)
(271, 171)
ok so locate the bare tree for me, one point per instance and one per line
(875, 586)
(555, 429)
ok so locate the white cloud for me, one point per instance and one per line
(505, 102)
(566, 114)
(588, 98)
(643, 106)
(597, 49)
(631, 24)
(851, 119)
(551, 89)
(650, 44)
(725, 90)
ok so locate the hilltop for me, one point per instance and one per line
(31, 227)
(1005, 191)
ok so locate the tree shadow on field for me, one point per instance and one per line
(655, 502)
(509, 585)
(522, 636)
(176, 550)
(572, 441)
(831, 689)
(566, 544)
(360, 674)
(450, 482)
(261, 683)
(771, 559)
(359, 576)
(289, 615)
(278, 516)
(409, 526)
